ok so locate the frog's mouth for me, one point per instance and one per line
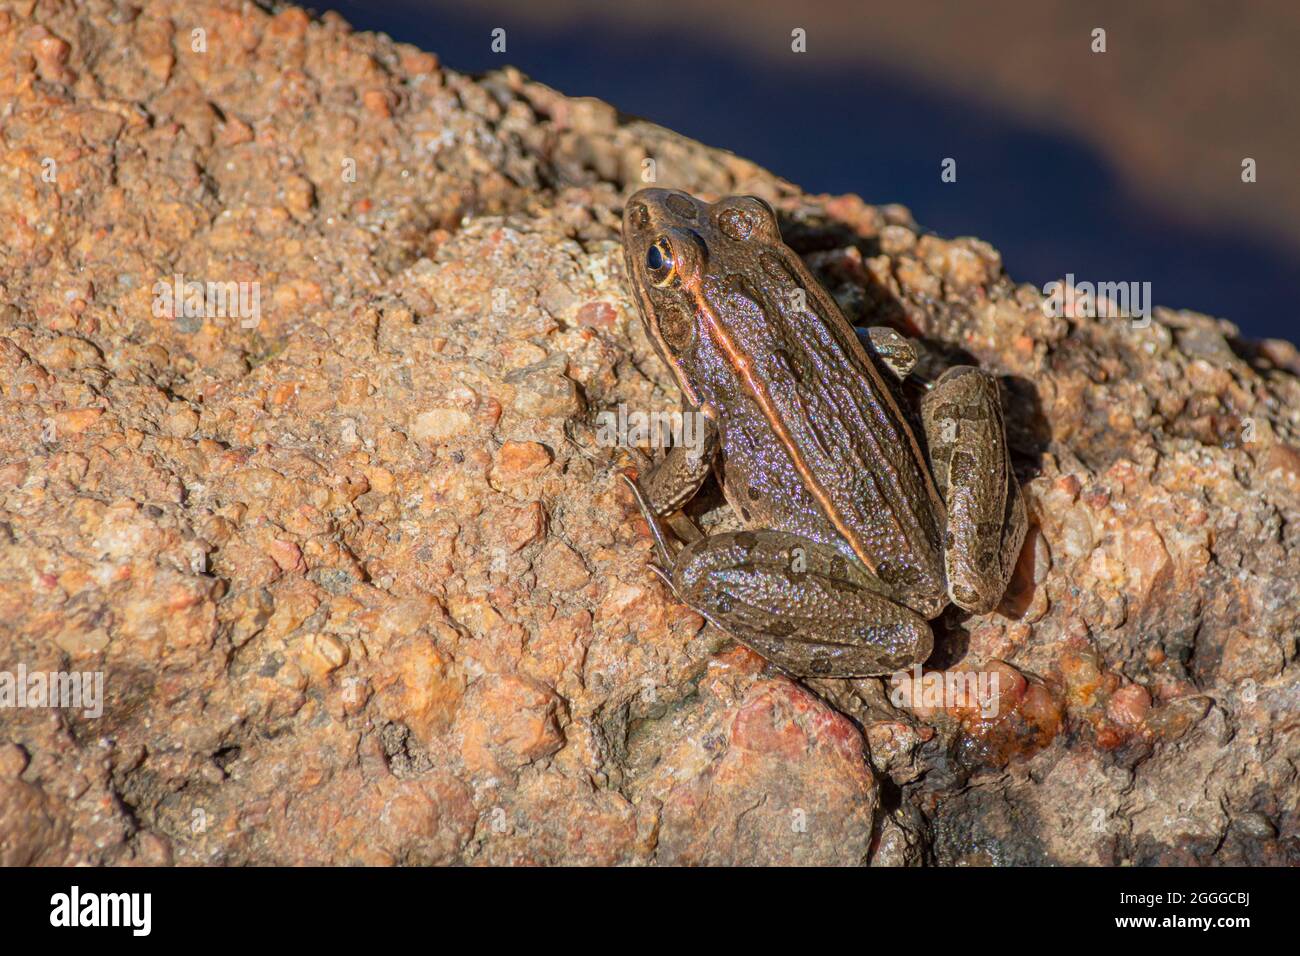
(661, 347)
(632, 256)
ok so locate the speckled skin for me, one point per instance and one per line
(855, 543)
(986, 512)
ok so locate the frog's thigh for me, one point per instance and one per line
(679, 474)
(800, 604)
(962, 417)
(898, 353)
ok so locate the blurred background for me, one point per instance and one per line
(1117, 166)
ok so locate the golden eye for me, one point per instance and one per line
(659, 262)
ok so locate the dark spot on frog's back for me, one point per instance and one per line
(900, 575)
(840, 585)
(747, 539)
(681, 206)
(885, 571)
(948, 411)
(741, 287)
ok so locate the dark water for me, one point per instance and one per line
(1048, 202)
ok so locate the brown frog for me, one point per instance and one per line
(859, 534)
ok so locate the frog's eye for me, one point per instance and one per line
(659, 262)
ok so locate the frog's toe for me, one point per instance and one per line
(895, 352)
(973, 599)
(664, 576)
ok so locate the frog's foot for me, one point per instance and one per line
(800, 604)
(962, 418)
(894, 350)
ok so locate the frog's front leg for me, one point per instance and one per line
(967, 441)
(800, 604)
(678, 475)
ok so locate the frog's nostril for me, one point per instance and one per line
(638, 215)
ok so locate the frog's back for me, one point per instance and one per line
(824, 450)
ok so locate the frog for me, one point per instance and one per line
(863, 515)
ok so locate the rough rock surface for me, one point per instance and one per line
(362, 583)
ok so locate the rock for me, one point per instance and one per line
(33, 831)
(507, 723)
(517, 461)
(420, 687)
(440, 424)
(761, 772)
(359, 571)
(13, 761)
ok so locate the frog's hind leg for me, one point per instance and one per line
(800, 604)
(962, 418)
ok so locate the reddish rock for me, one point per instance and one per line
(360, 574)
(507, 723)
(517, 461)
(33, 831)
(419, 686)
(774, 777)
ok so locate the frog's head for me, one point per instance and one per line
(676, 248)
